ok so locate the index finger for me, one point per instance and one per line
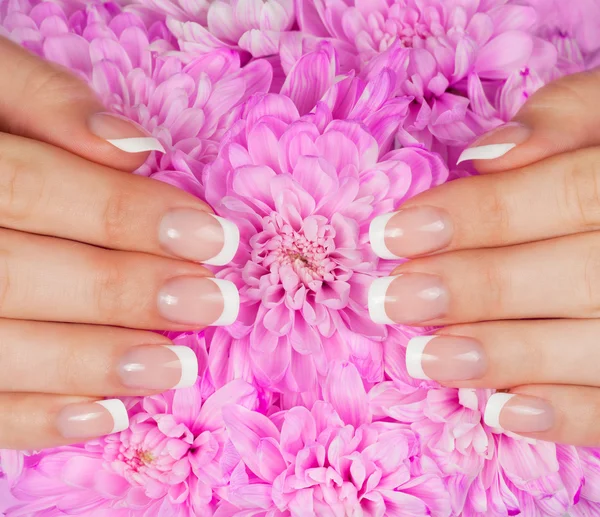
(553, 198)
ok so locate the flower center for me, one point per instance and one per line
(307, 251)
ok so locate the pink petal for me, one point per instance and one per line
(210, 416)
(246, 429)
(504, 54)
(344, 390)
(310, 77)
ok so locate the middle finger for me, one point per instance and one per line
(48, 279)
(558, 278)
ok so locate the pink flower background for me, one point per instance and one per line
(301, 120)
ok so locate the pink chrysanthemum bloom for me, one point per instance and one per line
(167, 463)
(303, 192)
(253, 26)
(330, 460)
(438, 44)
(486, 473)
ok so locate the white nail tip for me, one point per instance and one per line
(377, 236)
(189, 366)
(376, 300)
(137, 144)
(494, 407)
(231, 302)
(414, 357)
(118, 412)
(485, 152)
(231, 242)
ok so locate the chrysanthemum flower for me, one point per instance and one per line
(329, 460)
(303, 192)
(254, 26)
(168, 462)
(439, 45)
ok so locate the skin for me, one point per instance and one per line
(80, 266)
(523, 265)
(70, 211)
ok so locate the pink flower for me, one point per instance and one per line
(167, 462)
(303, 192)
(331, 460)
(254, 26)
(438, 45)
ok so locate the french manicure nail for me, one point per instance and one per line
(445, 358)
(199, 236)
(409, 232)
(496, 143)
(158, 367)
(408, 298)
(199, 301)
(92, 419)
(123, 133)
(518, 413)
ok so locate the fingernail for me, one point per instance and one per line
(496, 143)
(199, 301)
(410, 232)
(159, 367)
(92, 419)
(199, 236)
(445, 358)
(408, 298)
(123, 133)
(518, 413)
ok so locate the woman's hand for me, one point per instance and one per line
(86, 248)
(513, 269)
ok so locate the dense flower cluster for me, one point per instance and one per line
(300, 121)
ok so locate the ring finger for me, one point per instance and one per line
(548, 279)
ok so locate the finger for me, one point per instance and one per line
(558, 196)
(48, 191)
(562, 116)
(38, 421)
(90, 360)
(562, 414)
(44, 102)
(505, 354)
(46, 279)
(498, 284)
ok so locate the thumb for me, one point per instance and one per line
(562, 116)
(42, 101)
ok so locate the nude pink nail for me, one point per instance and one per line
(408, 298)
(199, 301)
(497, 142)
(199, 236)
(445, 358)
(158, 367)
(410, 232)
(518, 413)
(92, 419)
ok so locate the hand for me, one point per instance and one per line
(513, 270)
(85, 248)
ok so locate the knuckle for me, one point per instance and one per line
(54, 85)
(494, 213)
(21, 187)
(582, 191)
(5, 279)
(115, 295)
(118, 212)
(497, 288)
(591, 281)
